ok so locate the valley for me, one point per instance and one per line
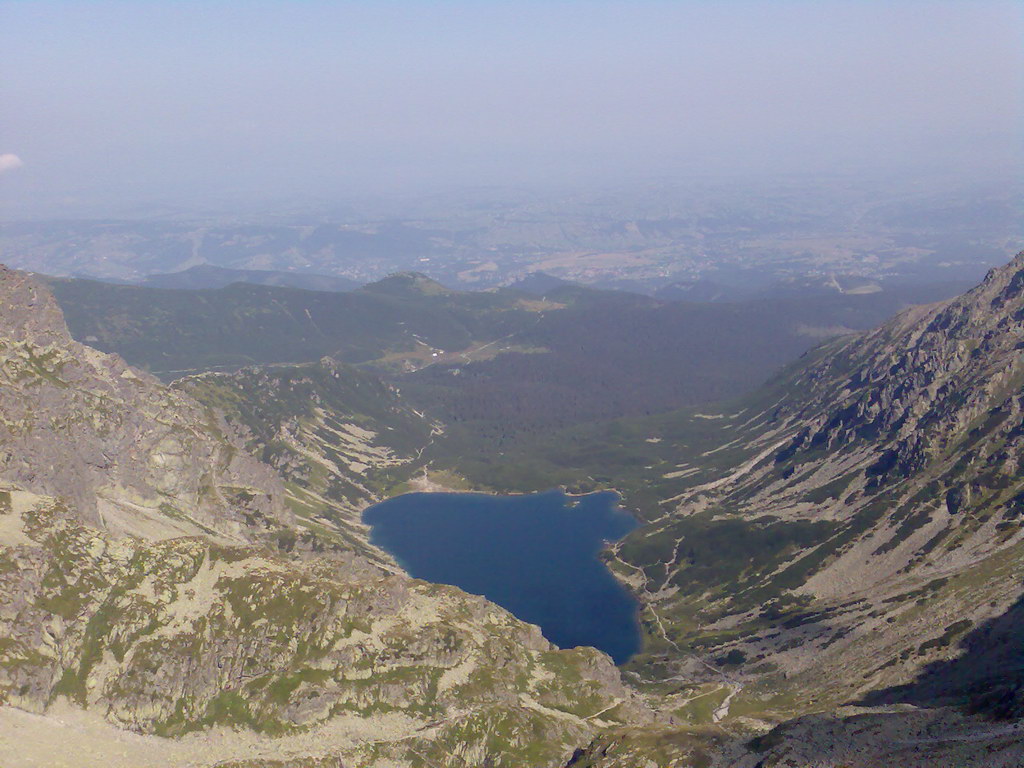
(839, 544)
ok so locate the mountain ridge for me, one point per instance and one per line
(210, 277)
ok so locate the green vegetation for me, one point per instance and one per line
(951, 633)
(174, 331)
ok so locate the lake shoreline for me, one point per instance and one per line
(539, 555)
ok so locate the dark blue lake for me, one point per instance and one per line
(534, 555)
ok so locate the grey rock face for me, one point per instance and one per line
(125, 452)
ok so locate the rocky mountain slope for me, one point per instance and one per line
(152, 576)
(339, 437)
(127, 454)
(863, 531)
(184, 635)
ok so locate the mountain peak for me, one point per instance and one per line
(1011, 268)
(1007, 281)
(993, 307)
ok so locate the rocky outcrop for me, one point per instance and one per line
(916, 387)
(127, 454)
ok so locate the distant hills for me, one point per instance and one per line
(741, 234)
(538, 284)
(210, 277)
(176, 331)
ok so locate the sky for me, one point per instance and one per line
(104, 103)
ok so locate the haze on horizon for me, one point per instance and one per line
(111, 103)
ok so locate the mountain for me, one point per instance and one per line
(160, 604)
(128, 454)
(210, 277)
(856, 538)
(407, 284)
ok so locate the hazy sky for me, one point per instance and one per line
(179, 101)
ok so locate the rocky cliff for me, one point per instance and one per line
(129, 455)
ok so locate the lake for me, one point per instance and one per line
(535, 555)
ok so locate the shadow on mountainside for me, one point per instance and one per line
(987, 678)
